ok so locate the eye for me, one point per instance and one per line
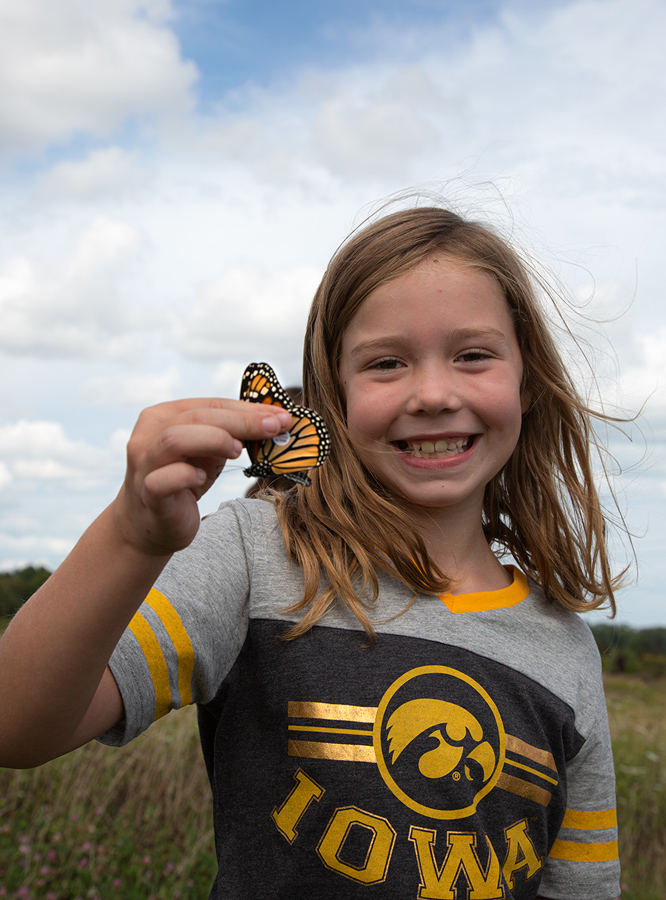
(387, 364)
(472, 356)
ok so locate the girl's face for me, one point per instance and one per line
(431, 371)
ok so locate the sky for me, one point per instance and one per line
(175, 174)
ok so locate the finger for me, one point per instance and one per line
(185, 430)
(185, 441)
(243, 420)
(169, 481)
(242, 414)
(249, 421)
(212, 466)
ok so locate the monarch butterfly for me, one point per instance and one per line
(290, 454)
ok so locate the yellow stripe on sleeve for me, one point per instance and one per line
(156, 664)
(574, 851)
(181, 641)
(590, 821)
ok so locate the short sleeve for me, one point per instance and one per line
(186, 635)
(583, 863)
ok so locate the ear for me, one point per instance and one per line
(525, 400)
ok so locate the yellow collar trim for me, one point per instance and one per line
(481, 601)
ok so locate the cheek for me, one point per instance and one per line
(357, 415)
(504, 410)
(366, 418)
(346, 394)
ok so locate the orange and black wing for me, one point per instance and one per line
(305, 446)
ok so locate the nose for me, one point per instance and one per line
(435, 389)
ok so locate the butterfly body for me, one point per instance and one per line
(305, 446)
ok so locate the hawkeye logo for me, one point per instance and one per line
(439, 742)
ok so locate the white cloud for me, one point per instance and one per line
(240, 210)
(42, 452)
(118, 442)
(72, 307)
(372, 123)
(645, 380)
(133, 389)
(243, 310)
(544, 90)
(5, 476)
(378, 132)
(71, 66)
(33, 440)
(31, 550)
(45, 470)
(227, 377)
(107, 172)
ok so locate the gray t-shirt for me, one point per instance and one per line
(465, 753)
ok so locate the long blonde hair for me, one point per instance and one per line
(542, 507)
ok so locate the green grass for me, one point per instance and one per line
(136, 823)
(637, 712)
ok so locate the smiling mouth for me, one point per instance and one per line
(434, 449)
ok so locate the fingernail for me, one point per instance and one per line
(237, 447)
(270, 425)
(284, 418)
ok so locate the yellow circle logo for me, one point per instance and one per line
(439, 741)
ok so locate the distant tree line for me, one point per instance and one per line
(16, 587)
(632, 651)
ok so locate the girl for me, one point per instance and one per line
(385, 709)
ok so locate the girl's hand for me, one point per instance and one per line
(175, 453)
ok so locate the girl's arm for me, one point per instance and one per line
(56, 691)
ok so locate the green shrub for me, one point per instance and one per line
(629, 651)
(16, 587)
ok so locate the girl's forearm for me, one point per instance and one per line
(54, 653)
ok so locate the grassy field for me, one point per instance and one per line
(136, 823)
(637, 712)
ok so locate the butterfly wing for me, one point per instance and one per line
(260, 385)
(305, 446)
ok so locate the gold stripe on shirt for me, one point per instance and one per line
(523, 789)
(591, 820)
(341, 752)
(574, 851)
(543, 757)
(333, 711)
(511, 762)
(180, 639)
(156, 664)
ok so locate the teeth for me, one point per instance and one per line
(436, 449)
